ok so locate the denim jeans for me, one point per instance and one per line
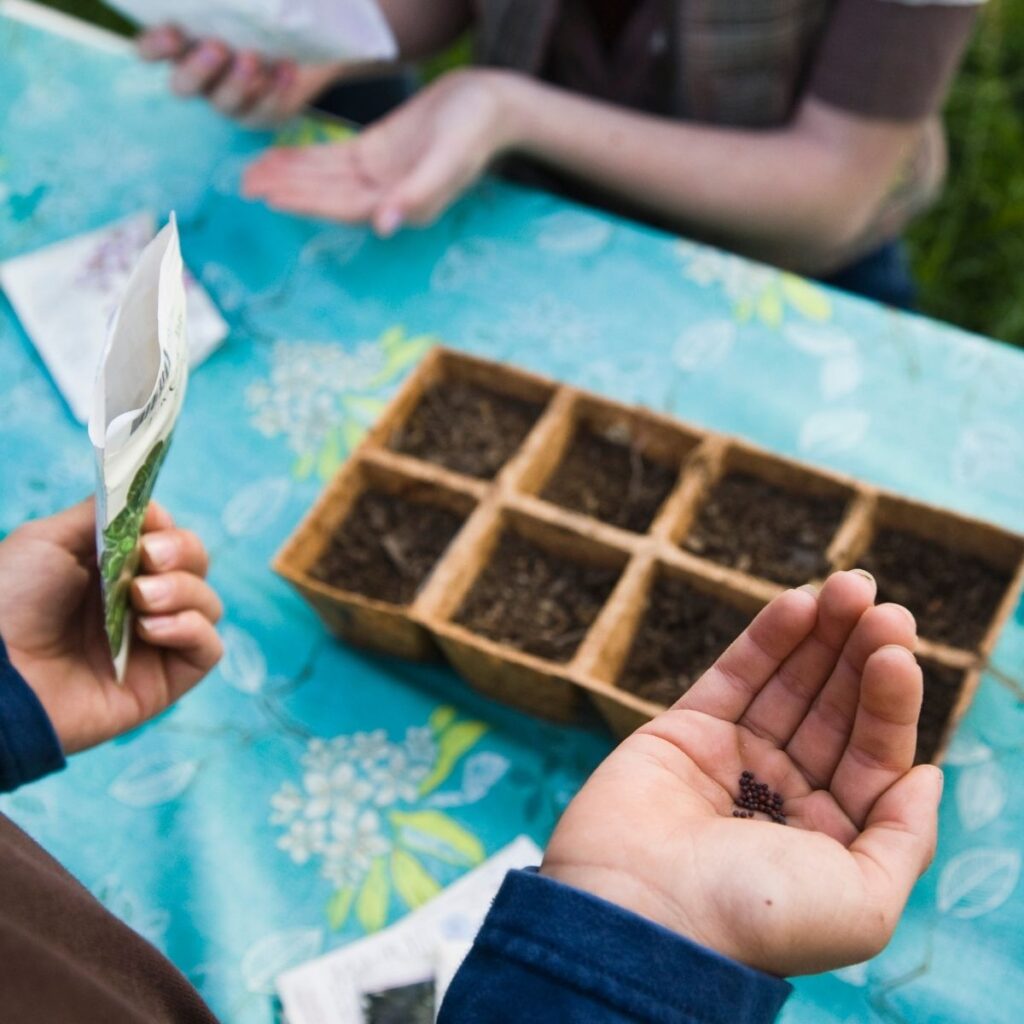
(883, 275)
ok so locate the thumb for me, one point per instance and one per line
(73, 529)
(898, 841)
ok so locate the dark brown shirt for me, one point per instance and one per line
(748, 63)
(64, 959)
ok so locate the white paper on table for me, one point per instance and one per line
(138, 392)
(304, 30)
(330, 989)
(66, 293)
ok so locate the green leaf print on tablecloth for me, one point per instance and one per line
(758, 293)
(359, 816)
(311, 131)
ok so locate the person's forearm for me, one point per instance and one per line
(791, 196)
(422, 30)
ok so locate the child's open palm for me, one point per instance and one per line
(819, 699)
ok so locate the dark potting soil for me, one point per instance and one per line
(754, 526)
(941, 689)
(952, 594)
(536, 601)
(466, 428)
(611, 481)
(682, 633)
(387, 546)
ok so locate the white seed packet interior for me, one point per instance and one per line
(332, 988)
(65, 295)
(139, 390)
(305, 30)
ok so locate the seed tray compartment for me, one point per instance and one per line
(724, 528)
(520, 500)
(367, 621)
(524, 678)
(613, 465)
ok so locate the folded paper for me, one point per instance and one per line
(304, 30)
(65, 295)
(139, 389)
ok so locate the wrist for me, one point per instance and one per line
(513, 96)
(627, 891)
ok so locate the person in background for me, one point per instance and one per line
(653, 902)
(803, 134)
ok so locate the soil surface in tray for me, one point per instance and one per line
(756, 527)
(466, 428)
(386, 547)
(611, 481)
(680, 636)
(953, 594)
(535, 601)
(941, 689)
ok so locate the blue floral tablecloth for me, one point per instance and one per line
(308, 793)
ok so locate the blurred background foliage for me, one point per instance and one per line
(968, 249)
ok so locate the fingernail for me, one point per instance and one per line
(899, 650)
(209, 56)
(871, 579)
(389, 221)
(246, 65)
(152, 588)
(159, 549)
(942, 780)
(157, 624)
(905, 611)
(810, 588)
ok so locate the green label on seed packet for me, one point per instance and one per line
(139, 390)
(120, 558)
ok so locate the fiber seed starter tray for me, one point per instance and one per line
(560, 547)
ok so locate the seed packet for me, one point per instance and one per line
(66, 293)
(140, 386)
(396, 970)
(304, 30)
(403, 1004)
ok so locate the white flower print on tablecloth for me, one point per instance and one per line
(321, 396)
(357, 814)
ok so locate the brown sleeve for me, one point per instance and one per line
(891, 59)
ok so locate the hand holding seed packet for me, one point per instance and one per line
(139, 390)
(303, 30)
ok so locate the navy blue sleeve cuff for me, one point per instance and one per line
(29, 748)
(548, 952)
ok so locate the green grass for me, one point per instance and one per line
(968, 251)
